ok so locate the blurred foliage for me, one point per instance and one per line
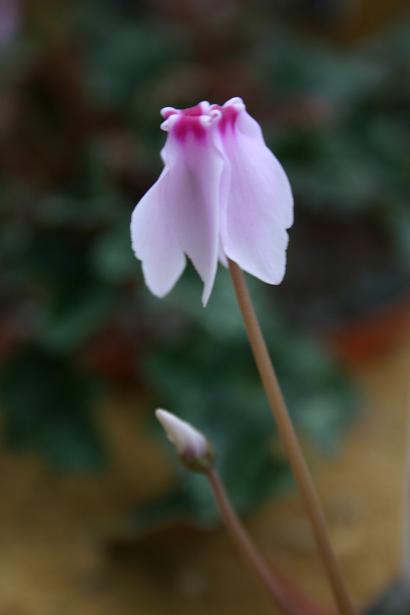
(46, 407)
(394, 601)
(81, 86)
(208, 376)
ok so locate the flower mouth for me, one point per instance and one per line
(196, 120)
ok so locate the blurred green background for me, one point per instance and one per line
(82, 83)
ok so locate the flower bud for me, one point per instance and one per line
(192, 447)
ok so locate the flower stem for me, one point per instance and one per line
(291, 444)
(247, 548)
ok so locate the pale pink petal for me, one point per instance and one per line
(222, 256)
(195, 187)
(154, 239)
(180, 214)
(259, 202)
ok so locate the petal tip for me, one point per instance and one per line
(167, 111)
(236, 101)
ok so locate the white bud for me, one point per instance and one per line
(192, 446)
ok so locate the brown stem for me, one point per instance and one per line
(291, 444)
(247, 548)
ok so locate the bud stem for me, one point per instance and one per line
(291, 444)
(247, 548)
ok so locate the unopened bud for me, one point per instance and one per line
(192, 447)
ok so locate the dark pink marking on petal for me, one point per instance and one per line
(228, 117)
(188, 125)
(192, 111)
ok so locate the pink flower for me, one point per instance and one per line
(221, 195)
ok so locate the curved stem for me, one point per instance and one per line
(247, 548)
(291, 444)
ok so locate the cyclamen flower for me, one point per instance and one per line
(221, 195)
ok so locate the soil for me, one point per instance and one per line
(67, 550)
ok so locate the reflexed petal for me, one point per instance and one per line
(154, 239)
(259, 203)
(196, 185)
(180, 214)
